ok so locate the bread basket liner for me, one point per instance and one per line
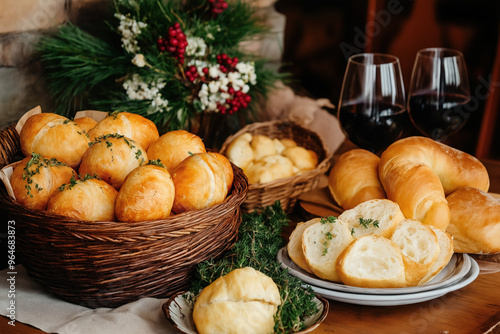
(108, 264)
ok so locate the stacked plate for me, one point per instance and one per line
(460, 271)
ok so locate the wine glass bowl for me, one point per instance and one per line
(371, 110)
(439, 91)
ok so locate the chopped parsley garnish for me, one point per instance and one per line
(366, 222)
(30, 170)
(329, 219)
(156, 163)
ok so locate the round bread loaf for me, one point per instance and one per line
(175, 146)
(54, 136)
(136, 127)
(111, 157)
(85, 123)
(89, 199)
(146, 194)
(262, 147)
(353, 179)
(270, 168)
(36, 178)
(243, 301)
(301, 158)
(200, 182)
(228, 169)
(417, 172)
(475, 221)
(239, 151)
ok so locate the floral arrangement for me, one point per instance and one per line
(170, 61)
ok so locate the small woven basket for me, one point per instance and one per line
(108, 264)
(285, 190)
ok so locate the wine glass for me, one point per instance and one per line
(439, 90)
(372, 110)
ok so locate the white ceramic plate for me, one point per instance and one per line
(456, 269)
(399, 299)
(179, 311)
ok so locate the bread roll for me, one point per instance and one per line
(54, 136)
(133, 126)
(112, 157)
(146, 194)
(417, 172)
(270, 168)
(372, 261)
(288, 142)
(175, 146)
(239, 151)
(322, 242)
(475, 221)
(85, 123)
(36, 178)
(228, 169)
(419, 246)
(262, 147)
(243, 301)
(301, 158)
(294, 246)
(89, 199)
(445, 241)
(353, 179)
(376, 216)
(200, 182)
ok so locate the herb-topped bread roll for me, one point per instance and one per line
(54, 136)
(243, 301)
(133, 126)
(36, 178)
(111, 157)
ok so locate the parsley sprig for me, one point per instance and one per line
(32, 168)
(366, 222)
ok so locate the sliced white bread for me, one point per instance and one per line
(322, 242)
(377, 216)
(420, 248)
(294, 246)
(445, 241)
(372, 261)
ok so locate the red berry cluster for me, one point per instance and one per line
(226, 63)
(240, 100)
(174, 43)
(217, 6)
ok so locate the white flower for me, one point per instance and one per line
(129, 29)
(196, 47)
(137, 89)
(139, 60)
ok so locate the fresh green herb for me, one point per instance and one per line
(328, 236)
(190, 153)
(366, 222)
(66, 121)
(329, 219)
(32, 168)
(259, 240)
(138, 154)
(352, 231)
(156, 163)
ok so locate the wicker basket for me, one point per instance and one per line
(107, 264)
(285, 190)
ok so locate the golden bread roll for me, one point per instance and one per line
(200, 182)
(288, 142)
(417, 172)
(322, 243)
(262, 147)
(372, 261)
(36, 178)
(420, 248)
(270, 168)
(146, 194)
(301, 158)
(54, 136)
(228, 169)
(243, 301)
(353, 179)
(475, 221)
(294, 246)
(133, 126)
(111, 157)
(175, 146)
(85, 123)
(445, 241)
(239, 151)
(88, 199)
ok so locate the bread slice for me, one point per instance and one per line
(420, 248)
(445, 241)
(372, 261)
(322, 242)
(294, 246)
(377, 216)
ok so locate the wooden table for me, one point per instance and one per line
(472, 309)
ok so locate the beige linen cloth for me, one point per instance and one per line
(40, 309)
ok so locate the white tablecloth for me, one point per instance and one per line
(35, 306)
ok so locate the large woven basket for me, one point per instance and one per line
(285, 190)
(107, 264)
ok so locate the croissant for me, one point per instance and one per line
(417, 173)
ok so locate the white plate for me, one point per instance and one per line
(179, 311)
(400, 299)
(456, 269)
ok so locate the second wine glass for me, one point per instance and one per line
(372, 110)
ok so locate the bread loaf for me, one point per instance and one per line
(294, 246)
(85, 123)
(239, 151)
(262, 147)
(417, 172)
(270, 168)
(36, 178)
(301, 158)
(445, 241)
(243, 301)
(353, 179)
(475, 221)
(146, 194)
(54, 136)
(136, 127)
